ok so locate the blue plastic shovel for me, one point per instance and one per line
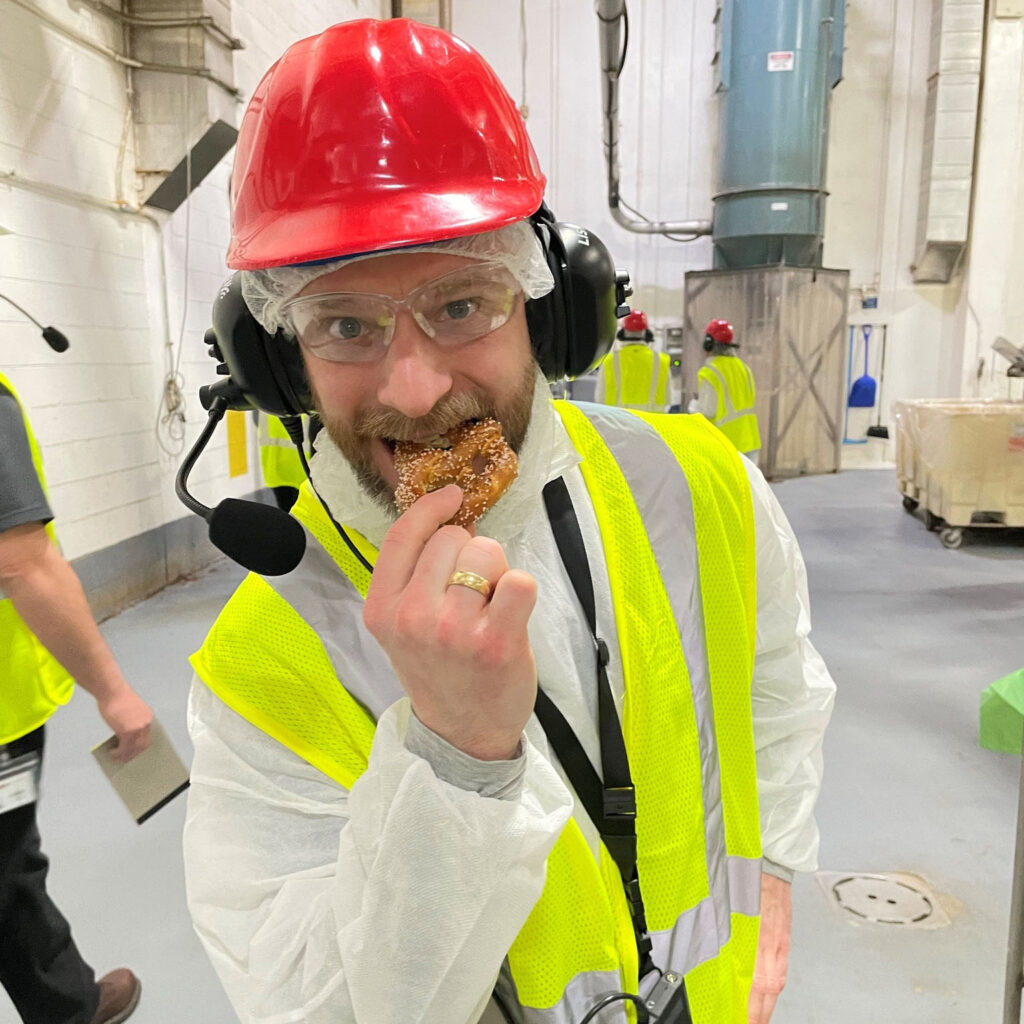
(862, 392)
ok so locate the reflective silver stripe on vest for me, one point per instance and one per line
(579, 996)
(328, 601)
(660, 487)
(731, 412)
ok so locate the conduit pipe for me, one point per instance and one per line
(120, 58)
(611, 14)
(204, 21)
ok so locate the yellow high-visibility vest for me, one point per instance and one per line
(635, 377)
(278, 458)
(34, 683)
(670, 495)
(735, 416)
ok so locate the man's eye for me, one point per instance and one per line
(346, 327)
(459, 309)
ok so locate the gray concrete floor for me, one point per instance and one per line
(912, 634)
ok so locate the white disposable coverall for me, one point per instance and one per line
(393, 902)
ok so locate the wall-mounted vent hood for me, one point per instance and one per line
(184, 100)
(951, 122)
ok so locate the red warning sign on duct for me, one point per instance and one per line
(1016, 443)
(780, 60)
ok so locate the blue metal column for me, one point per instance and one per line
(780, 60)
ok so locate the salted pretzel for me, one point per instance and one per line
(473, 455)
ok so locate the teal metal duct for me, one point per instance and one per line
(779, 61)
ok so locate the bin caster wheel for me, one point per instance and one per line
(932, 521)
(909, 503)
(951, 537)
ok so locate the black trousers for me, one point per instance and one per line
(40, 966)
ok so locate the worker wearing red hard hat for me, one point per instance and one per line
(725, 390)
(633, 375)
(380, 827)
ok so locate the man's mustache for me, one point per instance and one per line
(449, 412)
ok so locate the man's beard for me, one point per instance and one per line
(353, 439)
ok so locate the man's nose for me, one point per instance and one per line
(414, 371)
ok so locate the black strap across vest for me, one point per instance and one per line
(609, 799)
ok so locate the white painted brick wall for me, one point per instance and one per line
(95, 273)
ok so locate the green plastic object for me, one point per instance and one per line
(1001, 721)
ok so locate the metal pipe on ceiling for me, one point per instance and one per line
(612, 17)
(444, 14)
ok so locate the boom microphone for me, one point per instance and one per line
(261, 538)
(54, 338)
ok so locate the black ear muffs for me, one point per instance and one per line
(573, 327)
(709, 343)
(266, 368)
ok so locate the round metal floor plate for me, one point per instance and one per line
(882, 900)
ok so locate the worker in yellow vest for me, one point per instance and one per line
(280, 462)
(380, 828)
(48, 640)
(725, 390)
(633, 375)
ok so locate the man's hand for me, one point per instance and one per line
(130, 718)
(772, 948)
(464, 659)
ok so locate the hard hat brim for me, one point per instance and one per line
(409, 219)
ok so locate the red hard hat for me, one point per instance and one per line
(636, 322)
(720, 331)
(374, 135)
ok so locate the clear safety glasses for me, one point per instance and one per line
(357, 327)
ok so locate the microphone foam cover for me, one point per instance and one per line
(261, 538)
(55, 339)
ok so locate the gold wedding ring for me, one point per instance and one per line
(471, 580)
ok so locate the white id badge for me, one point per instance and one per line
(18, 782)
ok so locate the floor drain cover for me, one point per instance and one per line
(885, 899)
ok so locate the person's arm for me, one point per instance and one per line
(397, 901)
(48, 595)
(792, 697)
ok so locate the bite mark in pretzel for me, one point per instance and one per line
(476, 457)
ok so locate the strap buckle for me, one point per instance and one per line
(620, 802)
(602, 652)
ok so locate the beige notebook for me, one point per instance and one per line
(146, 782)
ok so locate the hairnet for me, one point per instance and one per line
(515, 246)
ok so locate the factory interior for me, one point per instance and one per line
(841, 180)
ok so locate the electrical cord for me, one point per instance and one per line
(642, 1015)
(171, 411)
(295, 433)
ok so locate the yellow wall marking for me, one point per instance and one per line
(238, 454)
